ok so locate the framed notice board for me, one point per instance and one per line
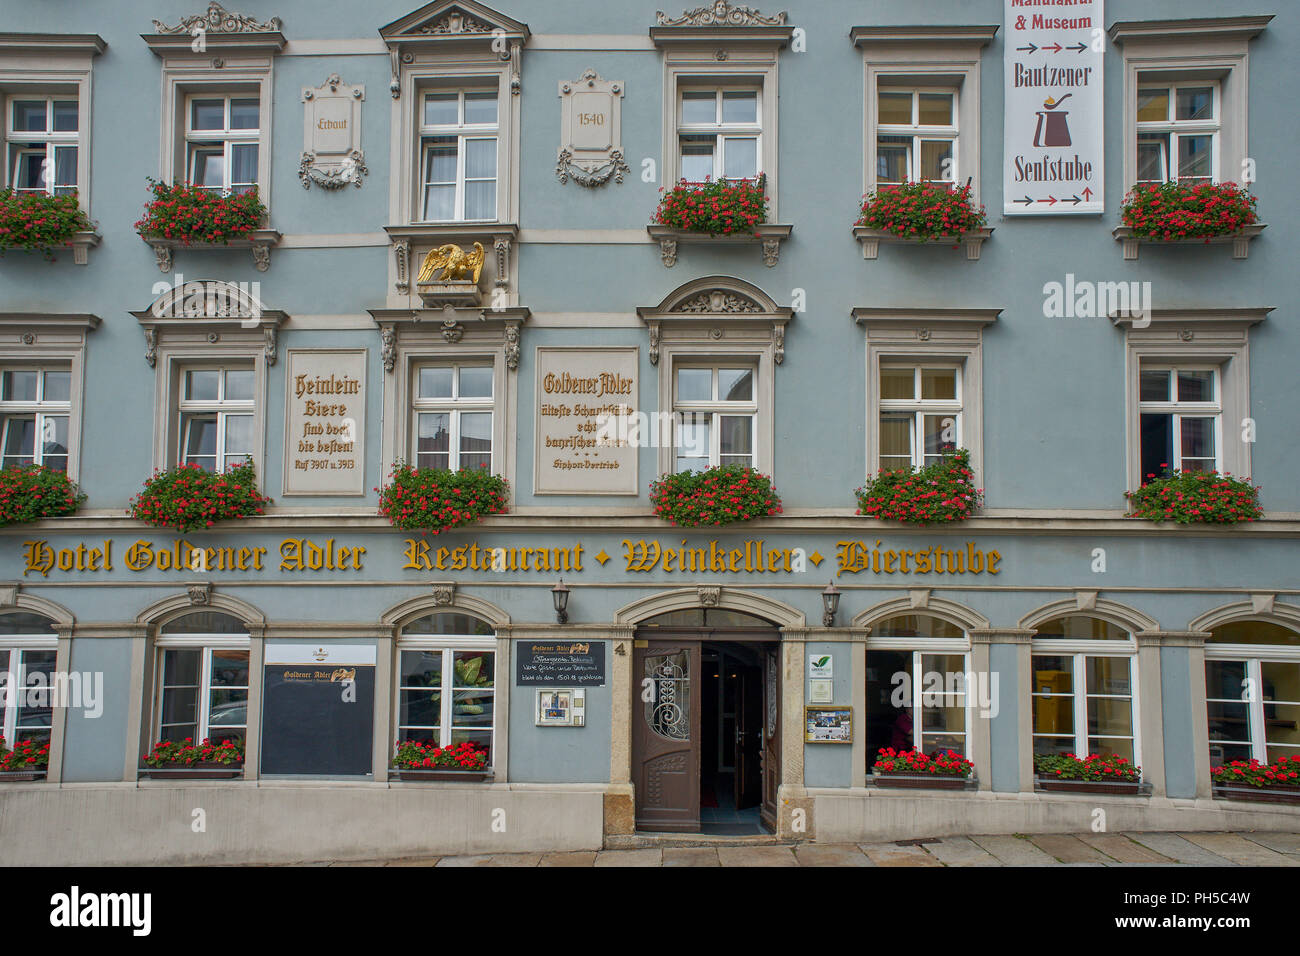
(318, 706)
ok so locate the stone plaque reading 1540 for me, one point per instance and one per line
(586, 416)
(325, 422)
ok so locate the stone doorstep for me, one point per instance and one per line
(645, 841)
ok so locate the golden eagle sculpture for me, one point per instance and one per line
(454, 262)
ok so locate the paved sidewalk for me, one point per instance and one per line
(1056, 849)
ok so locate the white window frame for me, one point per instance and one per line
(919, 132)
(18, 647)
(929, 339)
(1080, 693)
(55, 66)
(1196, 51)
(189, 409)
(462, 132)
(689, 67)
(921, 407)
(53, 141)
(1175, 129)
(1177, 409)
(1252, 655)
(40, 410)
(453, 407)
(941, 58)
(187, 80)
(449, 645)
(206, 644)
(717, 408)
(1192, 338)
(919, 648)
(720, 131)
(226, 137)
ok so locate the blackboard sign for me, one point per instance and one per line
(314, 721)
(562, 663)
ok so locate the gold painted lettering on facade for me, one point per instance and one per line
(858, 556)
(475, 557)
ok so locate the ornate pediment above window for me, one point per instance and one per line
(429, 328)
(728, 311)
(454, 26)
(458, 264)
(721, 21)
(217, 31)
(206, 313)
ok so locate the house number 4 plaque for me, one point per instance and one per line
(591, 132)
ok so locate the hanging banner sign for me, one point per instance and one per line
(1053, 151)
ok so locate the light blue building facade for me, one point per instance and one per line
(684, 687)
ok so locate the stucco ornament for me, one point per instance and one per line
(220, 20)
(331, 146)
(721, 14)
(591, 131)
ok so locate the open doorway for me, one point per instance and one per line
(731, 739)
(706, 728)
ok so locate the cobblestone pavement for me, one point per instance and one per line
(1056, 849)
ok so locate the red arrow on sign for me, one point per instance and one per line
(1050, 200)
(1087, 193)
(1055, 48)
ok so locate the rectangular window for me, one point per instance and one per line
(1178, 132)
(41, 134)
(203, 694)
(453, 409)
(1083, 704)
(446, 695)
(920, 414)
(1245, 725)
(916, 136)
(1180, 416)
(28, 710)
(458, 155)
(217, 424)
(719, 134)
(222, 134)
(35, 406)
(715, 411)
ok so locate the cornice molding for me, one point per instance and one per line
(1212, 28)
(906, 318)
(80, 321)
(1202, 318)
(978, 35)
(47, 43)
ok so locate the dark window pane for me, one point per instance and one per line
(1157, 445)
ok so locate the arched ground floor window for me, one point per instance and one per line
(1252, 690)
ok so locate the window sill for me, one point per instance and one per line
(1130, 788)
(872, 238)
(769, 234)
(202, 772)
(261, 242)
(443, 776)
(921, 781)
(80, 243)
(1240, 240)
(1287, 795)
(22, 776)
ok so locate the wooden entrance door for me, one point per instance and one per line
(771, 732)
(666, 734)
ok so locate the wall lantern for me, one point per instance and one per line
(560, 596)
(830, 604)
